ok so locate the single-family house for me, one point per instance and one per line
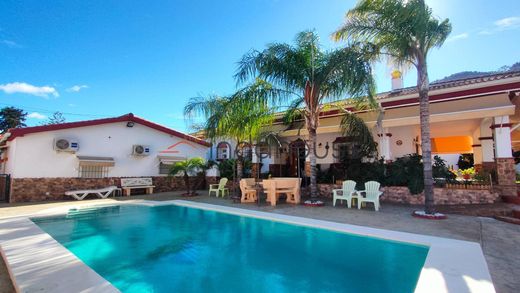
(45, 161)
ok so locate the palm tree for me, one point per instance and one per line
(405, 31)
(187, 167)
(239, 117)
(313, 76)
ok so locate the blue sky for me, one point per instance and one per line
(103, 58)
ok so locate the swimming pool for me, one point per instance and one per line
(174, 248)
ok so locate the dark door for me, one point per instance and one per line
(5, 184)
(297, 158)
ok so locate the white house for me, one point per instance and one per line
(474, 115)
(43, 161)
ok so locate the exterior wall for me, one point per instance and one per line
(442, 196)
(42, 189)
(506, 176)
(406, 134)
(33, 156)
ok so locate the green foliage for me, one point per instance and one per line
(407, 171)
(226, 168)
(441, 172)
(56, 118)
(465, 161)
(187, 168)
(364, 171)
(486, 177)
(11, 117)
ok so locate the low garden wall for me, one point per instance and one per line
(442, 196)
(43, 189)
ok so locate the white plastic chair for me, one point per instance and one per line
(372, 194)
(219, 188)
(348, 189)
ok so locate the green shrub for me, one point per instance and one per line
(407, 171)
(441, 172)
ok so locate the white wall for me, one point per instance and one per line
(406, 135)
(33, 155)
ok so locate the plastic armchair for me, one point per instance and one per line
(347, 191)
(219, 188)
(372, 194)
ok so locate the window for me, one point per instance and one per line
(93, 171)
(94, 167)
(164, 168)
(222, 151)
(345, 149)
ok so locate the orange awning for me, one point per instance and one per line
(452, 145)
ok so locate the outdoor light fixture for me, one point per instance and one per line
(130, 124)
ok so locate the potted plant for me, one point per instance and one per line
(185, 168)
(467, 173)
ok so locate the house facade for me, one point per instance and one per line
(478, 116)
(45, 161)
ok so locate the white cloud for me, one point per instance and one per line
(77, 88)
(25, 88)
(36, 115)
(508, 22)
(503, 24)
(458, 37)
(10, 44)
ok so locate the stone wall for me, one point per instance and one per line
(506, 175)
(442, 196)
(43, 189)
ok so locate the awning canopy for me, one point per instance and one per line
(170, 159)
(96, 161)
(452, 145)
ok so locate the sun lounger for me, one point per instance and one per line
(101, 193)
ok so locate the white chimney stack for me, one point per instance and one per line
(397, 80)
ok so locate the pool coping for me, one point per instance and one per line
(30, 253)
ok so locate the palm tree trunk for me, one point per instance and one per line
(424, 114)
(312, 159)
(187, 182)
(240, 168)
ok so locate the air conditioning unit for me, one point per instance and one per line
(65, 145)
(140, 150)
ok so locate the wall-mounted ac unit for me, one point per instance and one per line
(65, 145)
(140, 150)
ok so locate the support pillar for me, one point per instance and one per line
(477, 150)
(486, 144)
(384, 145)
(506, 173)
(255, 167)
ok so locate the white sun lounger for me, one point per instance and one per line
(101, 193)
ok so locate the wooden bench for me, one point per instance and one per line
(127, 184)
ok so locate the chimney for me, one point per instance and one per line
(397, 80)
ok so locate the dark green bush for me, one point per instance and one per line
(407, 171)
(441, 172)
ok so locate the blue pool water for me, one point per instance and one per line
(179, 249)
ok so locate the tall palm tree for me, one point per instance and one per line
(313, 75)
(405, 31)
(239, 117)
(186, 168)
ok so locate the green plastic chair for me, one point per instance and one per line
(348, 189)
(219, 188)
(372, 194)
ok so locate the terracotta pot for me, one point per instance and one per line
(466, 176)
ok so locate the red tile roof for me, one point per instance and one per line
(16, 132)
(452, 84)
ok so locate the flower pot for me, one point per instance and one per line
(466, 176)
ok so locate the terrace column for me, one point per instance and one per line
(255, 167)
(505, 163)
(384, 145)
(477, 150)
(486, 145)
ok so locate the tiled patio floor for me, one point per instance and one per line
(500, 241)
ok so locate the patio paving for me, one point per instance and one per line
(500, 241)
